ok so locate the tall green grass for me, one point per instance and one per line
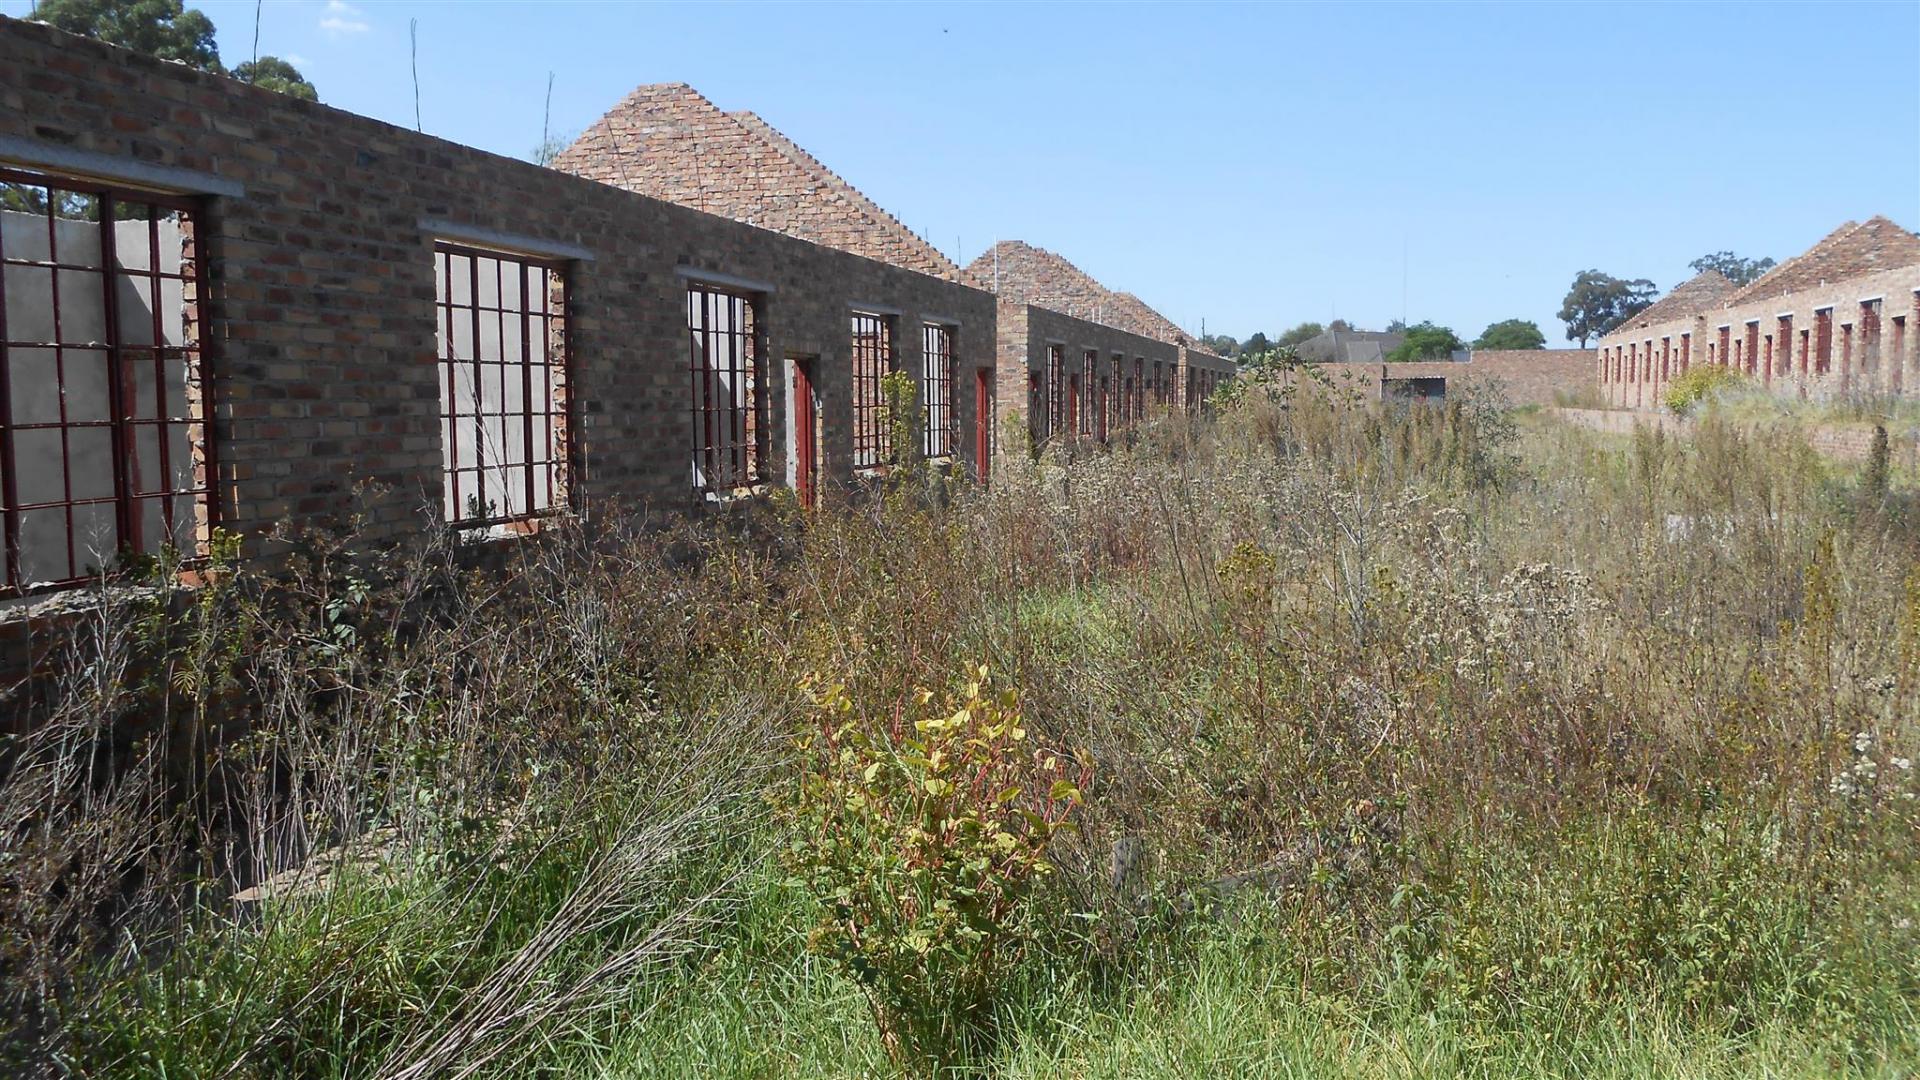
(1426, 743)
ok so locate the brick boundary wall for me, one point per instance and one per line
(1842, 442)
(316, 230)
(1527, 376)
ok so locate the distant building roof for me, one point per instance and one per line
(1852, 250)
(1849, 251)
(1350, 346)
(668, 141)
(1026, 274)
(1708, 288)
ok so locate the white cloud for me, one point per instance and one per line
(343, 18)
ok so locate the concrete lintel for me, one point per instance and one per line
(513, 243)
(874, 309)
(727, 281)
(95, 165)
(940, 320)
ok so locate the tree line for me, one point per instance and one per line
(1595, 304)
(1425, 340)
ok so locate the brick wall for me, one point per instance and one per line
(1841, 442)
(1526, 376)
(1867, 302)
(320, 319)
(1025, 334)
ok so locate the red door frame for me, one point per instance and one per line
(982, 421)
(806, 437)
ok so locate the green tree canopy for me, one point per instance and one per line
(1255, 345)
(159, 28)
(1736, 269)
(1599, 302)
(1397, 326)
(1512, 334)
(273, 73)
(166, 29)
(1426, 341)
(1220, 344)
(1301, 333)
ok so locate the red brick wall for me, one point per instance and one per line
(1806, 331)
(321, 320)
(1026, 334)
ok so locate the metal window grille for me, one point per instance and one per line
(1139, 388)
(1056, 389)
(502, 384)
(727, 376)
(1823, 341)
(105, 447)
(1036, 407)
(872, 360)
(1089, 363)
(936, 390)
(1870, 337)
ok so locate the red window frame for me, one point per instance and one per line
(727, 366)
(151, 501)
(514, 361)
(1089, 365)
(872, 353)
(936, 390)
(1056, 390)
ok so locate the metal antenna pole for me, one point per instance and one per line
(413, 39)
(546, 120)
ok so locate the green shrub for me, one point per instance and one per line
(922, 843)
(1699, 383)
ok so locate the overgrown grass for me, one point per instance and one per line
(1422, 743)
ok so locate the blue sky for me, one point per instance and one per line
(1250, 165)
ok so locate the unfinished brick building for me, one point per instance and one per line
(1077, 359)
(226, 306)
(1073, 357)
(1838, 320)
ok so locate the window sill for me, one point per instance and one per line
(503, 529)
(73, 601)
(735, 495)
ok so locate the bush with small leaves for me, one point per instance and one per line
(1698, 384)
(922, 833)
